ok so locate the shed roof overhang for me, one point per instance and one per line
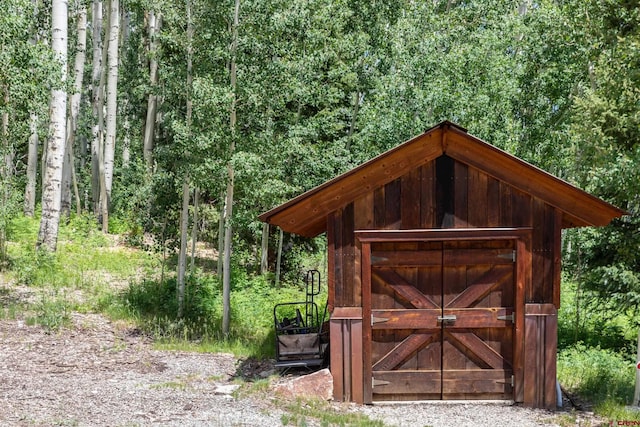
(306, 214)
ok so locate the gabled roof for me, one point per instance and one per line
(306, 214)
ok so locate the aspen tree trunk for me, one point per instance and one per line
(264, 252)
(126, 116)
(182, 256)
(74, 109)
(228, 230)
(279, 258)
(223, 215)
(96, 101)
(154, 23)
(184, 222)
(32, 167)
(48, 234)
(112, 94)
(194, 228)
(7, 151)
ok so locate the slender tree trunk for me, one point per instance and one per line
(194, 228)
(74, 109)
(264, 252)
(154, 23)
(48, 234)
(182, 256)
(67, 165)
(184, 223)
(279, 258)
(228, 230)
(112, 93)
(32, 167)
(223, 215)
(7, 151)
(96, 78)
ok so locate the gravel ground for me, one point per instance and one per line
(100, 373)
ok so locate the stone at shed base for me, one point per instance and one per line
(317, 385)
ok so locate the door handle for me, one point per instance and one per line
(447, 318)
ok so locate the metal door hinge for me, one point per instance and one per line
(375, 382)
(510, 256)
(375, 320)
(511, 382)
(507, 317)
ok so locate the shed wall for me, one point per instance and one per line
(445, 194)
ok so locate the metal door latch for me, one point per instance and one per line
(447, 318)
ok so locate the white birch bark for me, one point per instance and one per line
(112, 94)
(51, 192)
(154, 24)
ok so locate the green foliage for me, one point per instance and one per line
(579, 321)
(154, 304)
(597, 375)
(52, 311)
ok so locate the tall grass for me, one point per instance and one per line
(154, 304)
(596, 355)
(93, 272)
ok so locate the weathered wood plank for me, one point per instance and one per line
(379, 208)
(481, 256)
(431, 235)
(336, 354)
(406, 319)
(557, 257)
(404, 350)
(478, 211)
(393, 203)
(428, 196)
(331, 262)
(349, 274)
(480, 348)
(493, 279)
(461, 195)
(476, 382)
(550, 354)
(407, 382)
(406, 258)
(357, 367)
(366, 326)
(410, 197)
(494, 198)
(476, 318)
(535, 293)
(406, 290)
(523, 278)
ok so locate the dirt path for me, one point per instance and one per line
(99, 373)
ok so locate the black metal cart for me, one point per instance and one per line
(302, 339)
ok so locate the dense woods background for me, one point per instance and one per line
(153, 116)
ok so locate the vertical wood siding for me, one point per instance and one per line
(446, 194)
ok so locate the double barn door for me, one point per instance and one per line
(442, 319)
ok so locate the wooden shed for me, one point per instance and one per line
(443, 270)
